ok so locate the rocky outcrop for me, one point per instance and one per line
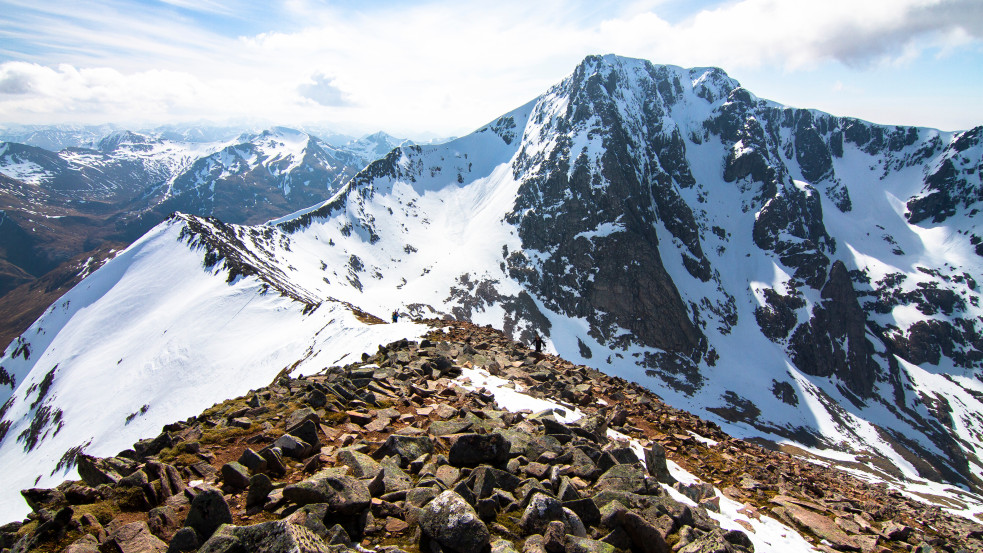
(557, 488)
(834, 341)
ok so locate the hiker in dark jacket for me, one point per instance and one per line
(538, 343)
(395, 315)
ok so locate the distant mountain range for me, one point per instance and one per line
(98, 194)
(796, 277)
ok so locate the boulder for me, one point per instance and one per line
(86, 544)
(542, 510)
(451, 522)
(344, 494)
(655, 462)
(260, 487)
(311, 517)
(94, 473)
(292, 446)
(475, 449)
(235, 475)
(252, 461)
(38, 498)
(134, 537)
(209, 510)
(269, 537)
(184, 540)
(407, 448)
(361, 464)
(625, 478)
(585, 545)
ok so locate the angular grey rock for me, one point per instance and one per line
(542, 510)
(134, 537)
(268, 537)
(235, 475)
(644, 535)
(93, 474)
(86, 544)
(407, 448)
(274, 460)
(452, 523)
(311, 517)
(293, 446)
(38, 498)
(299, 417)
(655, 462)
(260, 487)
(209, 510)
(184, 540)
(252, 461)
(307, 431)
(625, 478)
(162, 520)
(475, 449)
(585, 545)
(344, 494)
(361, 464)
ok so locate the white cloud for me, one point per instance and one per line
(441, 66)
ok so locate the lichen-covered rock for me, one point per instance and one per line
(542, 510)
(451, 522)
(134, 537)
(267, 537)
(344, 494)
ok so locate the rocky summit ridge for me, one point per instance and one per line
(408, 451)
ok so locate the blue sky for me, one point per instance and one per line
(446, 67)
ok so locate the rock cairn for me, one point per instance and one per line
(392, 454)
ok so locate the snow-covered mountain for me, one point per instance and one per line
(56, 138)
(789, 274)
(374, 146)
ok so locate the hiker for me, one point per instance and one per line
(538, 342)
(395, 315)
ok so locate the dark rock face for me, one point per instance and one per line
(947, 188)
(596, 224)
(834, 341)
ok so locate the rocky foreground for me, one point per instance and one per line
(396, 454)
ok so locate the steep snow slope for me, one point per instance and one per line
(787, 273)
(152, 337)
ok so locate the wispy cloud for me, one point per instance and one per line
(436, 65)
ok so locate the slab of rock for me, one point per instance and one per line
(822, 526)
(585, 545)
(451, 522)
(134, 537)
(268, 537)
(625, 478)
(184, 540)
(407, 448)
(344, 494)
